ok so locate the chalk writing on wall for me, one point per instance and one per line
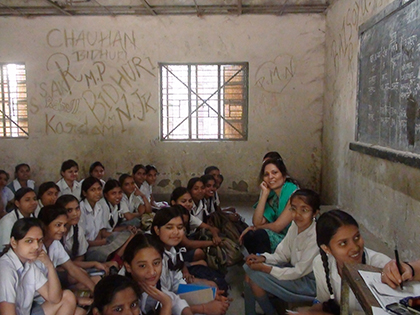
(345, 40)
(274, 76)
(94, 83)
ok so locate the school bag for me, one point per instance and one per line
(221, 221)
(233, 251)
(227, 254)
(216, 256)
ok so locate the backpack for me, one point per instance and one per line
(216, 258)
(221, 221)
(233, 251)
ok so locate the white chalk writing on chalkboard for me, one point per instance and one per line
(389, 78)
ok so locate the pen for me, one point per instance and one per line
(397, 259)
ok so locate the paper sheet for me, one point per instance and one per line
(372, 278)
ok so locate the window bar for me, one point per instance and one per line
(219, 120)
(2, 101)
(196, 104)
(189, 104)
(167, 101)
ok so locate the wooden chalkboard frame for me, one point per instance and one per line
(404, 157)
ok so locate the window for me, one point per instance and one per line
(204, 101)
(14, 105)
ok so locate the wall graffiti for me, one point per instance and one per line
(345, 40)
(274, 76)
(95, 83)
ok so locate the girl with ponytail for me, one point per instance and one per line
(340, 241)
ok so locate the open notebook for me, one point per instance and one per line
(383, 293)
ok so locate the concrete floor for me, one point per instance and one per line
(236, 274)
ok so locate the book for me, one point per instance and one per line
(196, 294)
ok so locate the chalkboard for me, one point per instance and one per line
(389, 79)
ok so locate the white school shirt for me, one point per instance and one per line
(65, 189)
(322, 294)
(148, 303)
(133, 202)
(297, 249)
(216, 199)
(68, 241)
(194, 223)
(92, 220)
(170, 279)
(6, 225)
(16, 185)
(57, 254)
(115, 212)
(147, 190)
(19, 282)
(198, 211)
(6, 196)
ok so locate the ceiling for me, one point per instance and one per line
(29, 8)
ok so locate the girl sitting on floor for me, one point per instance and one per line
(25, 206)
(22, 178)
(340, 241)
(21, 278)
(287, 273)
(143, 263)
(94, 221)
(74, 239)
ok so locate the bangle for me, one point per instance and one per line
(412, 269)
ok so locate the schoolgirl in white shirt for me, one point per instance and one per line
(147, 187)
(74, 239)
(287, 273)
(20, 278)
(181, 196)
(139, 174)
(168, 226)
(340, 241)
(6, 194)
(22, 178)
(209, 193)
(68, 184)
(25, 206)
(47, 195)
(143, 263)
(95, 221)
(97, 170)
(55, 220)
(195, 187)
(118, 211)
(137, 202)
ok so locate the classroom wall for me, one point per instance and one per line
(93, 93)
(383, 196)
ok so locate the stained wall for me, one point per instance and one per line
(93, 91)
(382, 195)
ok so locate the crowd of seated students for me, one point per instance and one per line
(63, 244)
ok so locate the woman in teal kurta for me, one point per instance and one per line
(270, 220)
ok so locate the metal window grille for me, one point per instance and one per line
(204, 101)
(14, 104)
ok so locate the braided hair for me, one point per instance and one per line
(326, 227)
